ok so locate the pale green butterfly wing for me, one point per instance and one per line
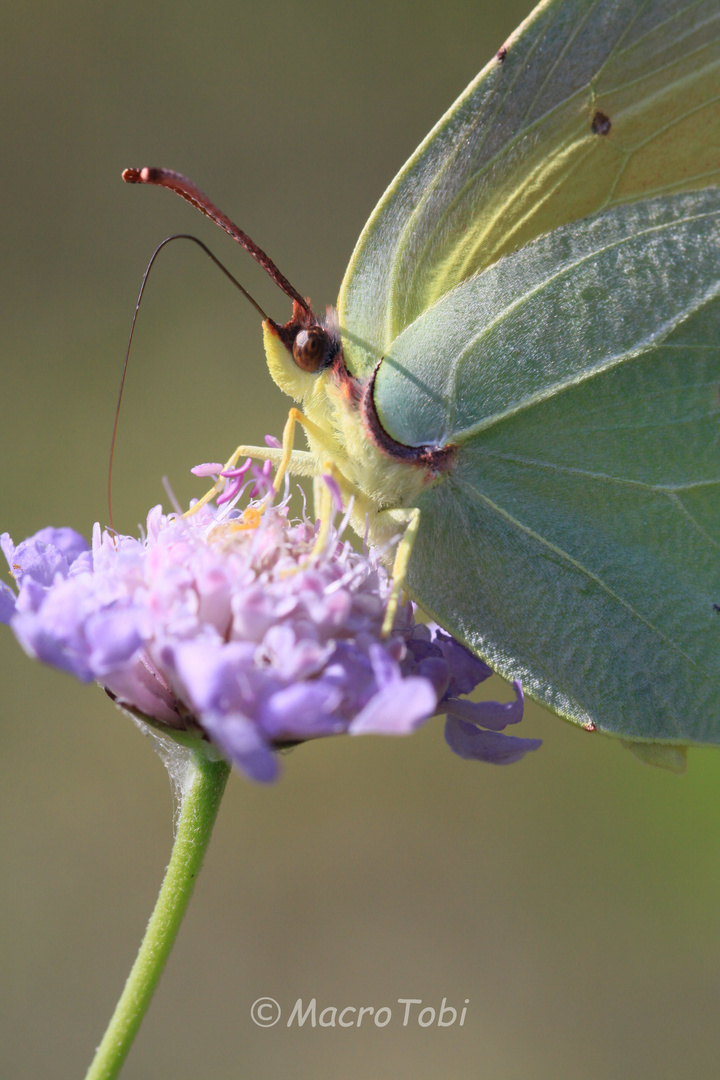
(596, 103)
(579, 528)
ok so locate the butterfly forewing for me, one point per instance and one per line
(592, 103)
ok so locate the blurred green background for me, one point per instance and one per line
(573, 899)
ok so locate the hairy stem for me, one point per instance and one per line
(200, 789)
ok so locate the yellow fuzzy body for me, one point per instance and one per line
(379, 483)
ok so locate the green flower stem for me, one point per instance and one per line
(201, 789)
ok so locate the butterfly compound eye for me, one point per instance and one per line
(310, 348)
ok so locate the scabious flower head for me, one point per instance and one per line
(229, 625)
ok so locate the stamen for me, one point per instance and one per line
(263, 480)
(250, 519)
(210, 468)
(236, 476)
(334, 489)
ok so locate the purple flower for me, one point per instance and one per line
(7, 602)
(229, 625)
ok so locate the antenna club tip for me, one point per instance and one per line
(139, 176)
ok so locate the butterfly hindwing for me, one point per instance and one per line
(579, 527)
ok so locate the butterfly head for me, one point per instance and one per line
(301, 350)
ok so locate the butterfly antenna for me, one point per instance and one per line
(156, 252)
(187, 190)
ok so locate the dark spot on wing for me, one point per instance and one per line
(600, 123)
(501, 54)
(716, 607)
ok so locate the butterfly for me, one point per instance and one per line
(522, 375)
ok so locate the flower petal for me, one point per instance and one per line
(385, 668)
(141, 687)
(243, 744)
(114, 637)
(49, 552)
(489, 714)
(398, 709)
(301, 711)
(467, 669)
(7, 603)
(473, 744)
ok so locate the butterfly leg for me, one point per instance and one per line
(402, 560)
(325, 505)
(301, 463)
(288, 454)
(322, 497)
